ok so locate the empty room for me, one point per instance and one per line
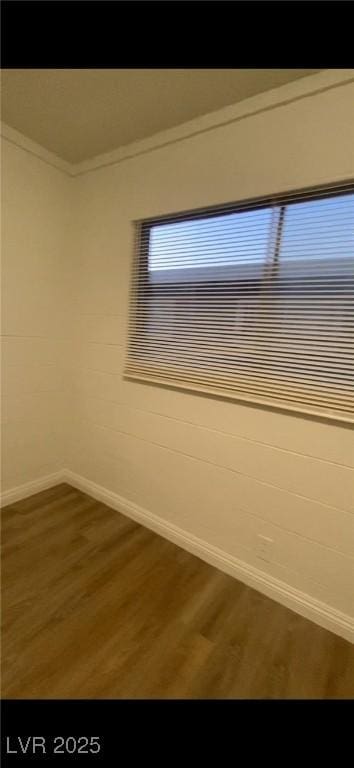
(177, 477)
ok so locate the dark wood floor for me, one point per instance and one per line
(96, 606)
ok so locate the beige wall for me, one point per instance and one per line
(221, 471)
(36, 223)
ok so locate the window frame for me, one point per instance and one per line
(269, 270)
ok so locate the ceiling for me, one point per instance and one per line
(80, 113)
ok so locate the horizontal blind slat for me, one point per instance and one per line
(254, 300)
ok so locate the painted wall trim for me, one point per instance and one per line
(15, 137)
(34, 486)
(263, 102)
(300, 602)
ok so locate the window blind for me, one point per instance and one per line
(252, 301)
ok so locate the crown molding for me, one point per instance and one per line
(263, 102)
(17, 138)
(277, 97)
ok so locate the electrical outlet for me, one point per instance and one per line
(264, 547)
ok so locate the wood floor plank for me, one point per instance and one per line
(96, 606)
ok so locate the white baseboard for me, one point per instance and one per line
(34, 486)
(300, 602)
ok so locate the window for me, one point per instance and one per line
(252, 301)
